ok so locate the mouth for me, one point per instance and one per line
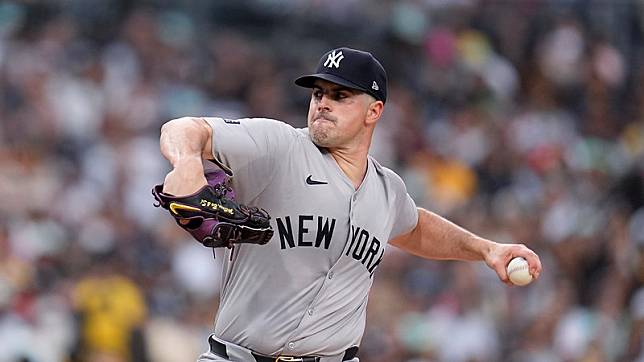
(322, 118)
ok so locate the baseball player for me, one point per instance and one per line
(333, 209)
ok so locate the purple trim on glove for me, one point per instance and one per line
(220, 177)
(205, 230)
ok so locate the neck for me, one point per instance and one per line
(353, 165)
(353, 160)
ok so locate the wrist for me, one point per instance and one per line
(485, 248)
(187, 162)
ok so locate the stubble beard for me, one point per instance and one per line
(322, 134)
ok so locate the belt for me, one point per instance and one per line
(260, 358)
(219, 349)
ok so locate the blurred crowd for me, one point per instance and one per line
(520, 120)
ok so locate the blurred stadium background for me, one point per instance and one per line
(521, 120)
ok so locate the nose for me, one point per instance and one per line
(324, 103)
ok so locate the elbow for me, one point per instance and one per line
(183, 124)
(185, 136)
(184, 127)
(169, 127)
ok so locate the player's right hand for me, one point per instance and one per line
(499, 255)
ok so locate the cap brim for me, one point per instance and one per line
(308, 81)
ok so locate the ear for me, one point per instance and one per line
(374, 111)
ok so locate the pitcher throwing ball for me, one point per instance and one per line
(332, 209)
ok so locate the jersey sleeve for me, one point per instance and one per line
(251, 148)
(407, 212)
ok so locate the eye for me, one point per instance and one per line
(340, 95)
(317, 94)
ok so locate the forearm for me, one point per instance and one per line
(184, 142)
(438, 238)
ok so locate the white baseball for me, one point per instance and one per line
(518, 272)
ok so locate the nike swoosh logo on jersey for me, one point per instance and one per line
(310, 181)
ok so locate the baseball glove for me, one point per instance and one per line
(212, 216)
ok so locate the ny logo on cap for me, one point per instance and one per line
(333, 59)
(374, 86)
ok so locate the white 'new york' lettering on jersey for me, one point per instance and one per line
(306, 291)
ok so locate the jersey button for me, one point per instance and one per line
(331, 275)
(291, 345)
(310, 311)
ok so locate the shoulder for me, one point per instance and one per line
(284, 129)
(386, 173)
(390, 180)
(252, 122)
(255, 127)
(281, 129)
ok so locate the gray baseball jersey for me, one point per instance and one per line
(306, 291)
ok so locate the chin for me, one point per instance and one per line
(318, 142)
(320, 139)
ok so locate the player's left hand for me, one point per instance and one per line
(213, 217)
(499, 255)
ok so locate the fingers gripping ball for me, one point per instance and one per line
(518, 272)
(213, 217)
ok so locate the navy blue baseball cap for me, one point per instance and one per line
(351, 68)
